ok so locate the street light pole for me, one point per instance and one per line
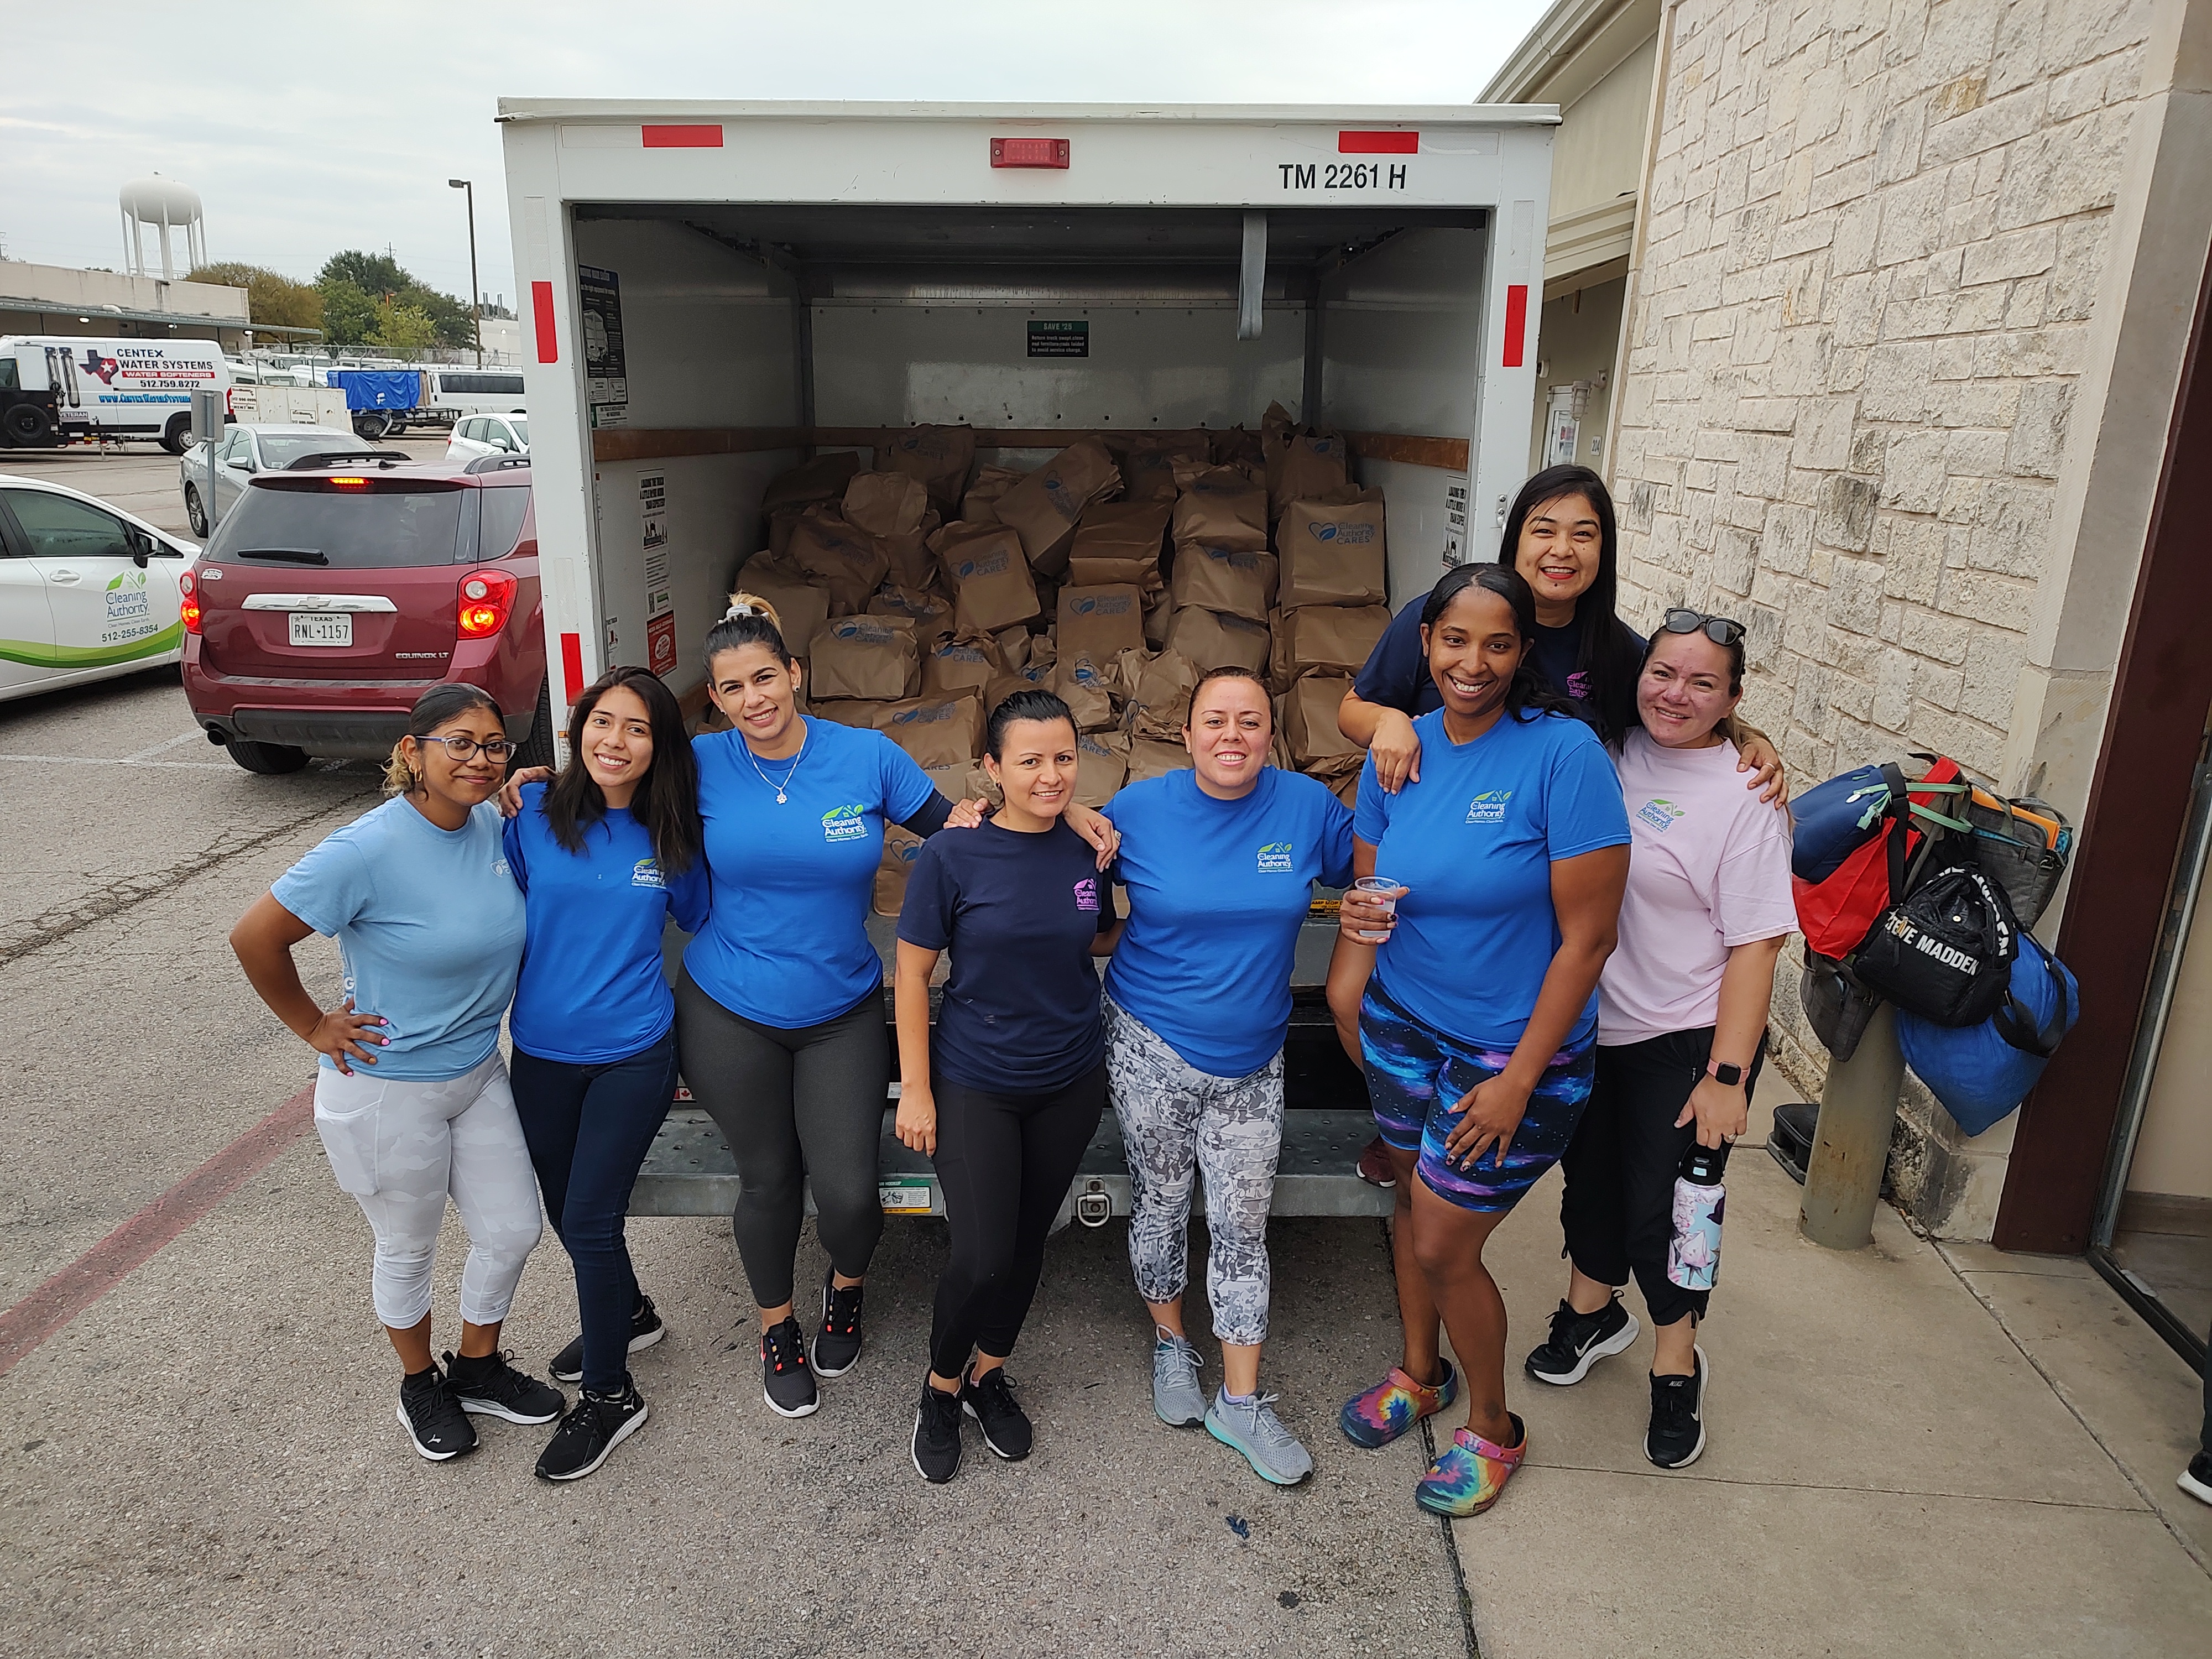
(475, 296)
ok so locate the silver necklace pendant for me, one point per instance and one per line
(780, 798)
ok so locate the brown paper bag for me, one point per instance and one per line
(1088, 689)
(1341, 775)
(1309, 719)
(847, 711)
(847, 561)
(1304, 462)
(885, 503)
(1102, 766)
(1156, 686)
(1119, 542)
(1013, 645)
(1237, 446)
(913, 565)
(1222, 508)
(937, 731)
(1044, 654)
(1224, 579)
(961, 665)
(1157, 613)
(801, 603)
(1043, 508)
(937, 455)
(1212, 640)
(991, 586)
(1101, 622)
(1148, 759)
(872, 658)
(1329, 639)
(1333, 553)
(821, 479)
(932, 617)
(979, 503)
(900, 849)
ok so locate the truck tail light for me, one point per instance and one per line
(487, 597)
(188, 607)
(1028, 152)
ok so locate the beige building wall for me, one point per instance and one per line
(1578, 336)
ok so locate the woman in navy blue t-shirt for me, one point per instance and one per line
(1009, 1092)
(605, 855)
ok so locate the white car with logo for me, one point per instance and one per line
(476, 436)
(86, 591)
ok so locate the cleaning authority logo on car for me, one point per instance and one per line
(130, 612)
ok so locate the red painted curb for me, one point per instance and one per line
(109, 1262)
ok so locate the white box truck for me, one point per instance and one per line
(718, 290)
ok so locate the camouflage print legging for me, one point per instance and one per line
(1176, 1119)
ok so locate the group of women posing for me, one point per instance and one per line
(1532, 801)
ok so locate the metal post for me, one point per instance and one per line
(475, 296)
(1850, 1142)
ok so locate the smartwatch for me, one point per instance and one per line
(1721, 1073)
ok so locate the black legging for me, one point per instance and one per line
(1003, 1162)
(796, 1106)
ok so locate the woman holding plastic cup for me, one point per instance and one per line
(1478, 1014)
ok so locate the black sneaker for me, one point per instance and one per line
(936, 1435)
(1579, 1341)
(1677, 1433)
(2197, 1479)
(990, 1401)
(434, 1419)
(786, 1380)
(837, 1345)
(494, 1389)
(645, 1330)
(600, 1423)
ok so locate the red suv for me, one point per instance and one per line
(334, 592)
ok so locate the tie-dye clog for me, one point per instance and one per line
(1472, 1472)
(1394, 1406)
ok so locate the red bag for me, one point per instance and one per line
(1838, 913)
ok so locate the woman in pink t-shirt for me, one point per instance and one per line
(1681, 1019)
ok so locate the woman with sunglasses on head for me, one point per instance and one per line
(1219, 862)
(606, 855)
(1508, 856)
(411, 1096)
(1006, 1094)
(1682, 1020)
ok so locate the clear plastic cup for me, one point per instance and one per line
(1382, 891)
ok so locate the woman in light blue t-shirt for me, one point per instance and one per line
(411, 1097)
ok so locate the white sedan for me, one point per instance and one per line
(86, 591)
(474, 435)
(246, 449)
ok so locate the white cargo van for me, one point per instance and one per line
(718, 290)
(113, 388)
(474, 390)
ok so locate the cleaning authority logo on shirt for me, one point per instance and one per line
(1489, 806)
(1086, 895)
(1275, 858)
(845, 822)
(646, 873)
(1660, 814)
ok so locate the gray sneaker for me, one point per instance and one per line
(1251, 1426)
(1176, 1396)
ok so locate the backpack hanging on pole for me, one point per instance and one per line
(1871, 837)
(1945, 950)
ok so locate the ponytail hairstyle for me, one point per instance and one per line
(440, 703)
(1527, 696)
(1033, 705)
(751, 620)
(1609, 657)
(667, 798)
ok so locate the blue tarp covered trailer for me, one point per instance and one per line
(378, 388)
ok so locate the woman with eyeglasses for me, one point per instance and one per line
(606, 855)
(1681, 1022)
(412, 1099)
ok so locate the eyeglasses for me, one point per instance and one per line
(462, 748)
(1719, 629)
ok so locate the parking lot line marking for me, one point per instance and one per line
(116, 1257)
(110, 760)
(193, 736)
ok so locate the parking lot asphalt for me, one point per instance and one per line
(204, 1460)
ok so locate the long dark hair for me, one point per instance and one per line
(1527, 696)
(1608, 661)
(440, 703)
(667, 798)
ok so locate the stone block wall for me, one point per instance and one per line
(1873, 232)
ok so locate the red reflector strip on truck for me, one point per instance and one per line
(1028, 152)
(1516, 322)
(541, 306)
(572, 664)
(1378, 143)
(708, 137)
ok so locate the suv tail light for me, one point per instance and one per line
(188, 607)
(487, 596)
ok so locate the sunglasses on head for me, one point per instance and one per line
(1720, 630)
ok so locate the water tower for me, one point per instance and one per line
(154, 200)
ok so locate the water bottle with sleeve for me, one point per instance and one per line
(1694, 1253)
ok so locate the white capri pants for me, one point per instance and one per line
(402, 1149)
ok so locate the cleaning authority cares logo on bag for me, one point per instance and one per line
(1489, 806)
(989, 565)
(1275, 858)
(845, 822)
(1351, 535)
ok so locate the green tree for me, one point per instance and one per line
(349, 315)
(371, 273)
(272, 299)
(405, 329)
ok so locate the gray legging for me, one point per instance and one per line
(796, 1106)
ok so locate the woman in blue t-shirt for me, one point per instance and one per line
(411, 1098)
(605, 855)
(1219, 862)
(1508, 858)
(1008, 1093)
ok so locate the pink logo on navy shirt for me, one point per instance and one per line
(1086, 895)
(1578, 686)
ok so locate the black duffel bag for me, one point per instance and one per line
(1945, 950)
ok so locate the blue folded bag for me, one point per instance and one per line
(1981, 1072)
(1832, 820)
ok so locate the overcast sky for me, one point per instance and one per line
(309, 126)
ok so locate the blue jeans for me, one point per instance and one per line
(589, 1129)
